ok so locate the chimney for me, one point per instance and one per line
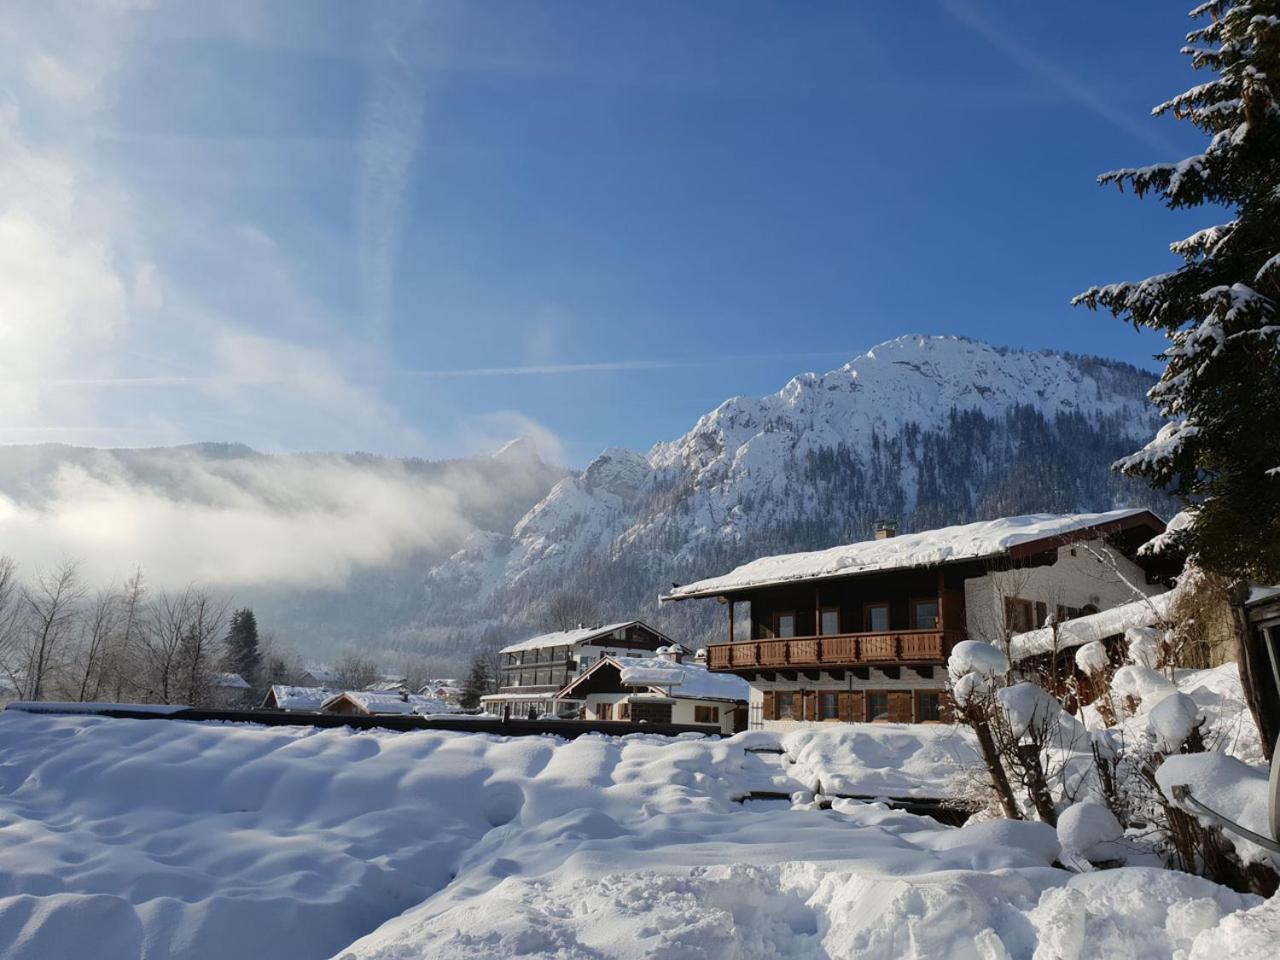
(700, 656)
(886, 529)
(672, 653)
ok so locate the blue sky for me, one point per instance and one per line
(365, 226)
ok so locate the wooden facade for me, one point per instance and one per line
(905, 617)
(871, 645)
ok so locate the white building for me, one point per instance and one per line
(660, 689)
(535, 670)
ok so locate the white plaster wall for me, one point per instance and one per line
(681, 711)
(1084, 573)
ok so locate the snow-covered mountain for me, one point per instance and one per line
(925, 430)
(405, 556)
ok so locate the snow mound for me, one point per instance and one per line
(1141, 683)
(1089, 829)
(881, 759)
(1172, 720)
(1092, 658)
(975, 656)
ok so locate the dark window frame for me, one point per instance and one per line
(919, 602)
(870, 711)
(888, 616)
(777, 624)
(919, 712)
(835, 704)
(822, 612)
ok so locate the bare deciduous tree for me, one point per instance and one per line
(569, 610)
(49, 610)
(354, 672)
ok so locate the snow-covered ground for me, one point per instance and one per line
(158, 838)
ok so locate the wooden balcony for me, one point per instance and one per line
(844, 650)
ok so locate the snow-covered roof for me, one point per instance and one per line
(230, 681)
(299, 698)
(520, 697)
(1095, 626)
(1260, 593)
(565, 638)
(374, 702)
(322, 674)
(968, 541)
(687, 681)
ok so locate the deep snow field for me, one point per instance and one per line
(159, 839)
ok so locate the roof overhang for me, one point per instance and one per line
(1020, 552)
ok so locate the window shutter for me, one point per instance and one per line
(844, 706)
(770, 707)
(858, 707)
(900, 706)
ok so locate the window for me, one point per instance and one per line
(784, 624)
(1018, 615)
(786, 705)
(604, 711)
(624, 711)
(1042, 613)
(877, 705)
(706, 714)
(829, 621)
(828, 705)
(928, 706)
(877, 617)
(583, 662)
(924, 614)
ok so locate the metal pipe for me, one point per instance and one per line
(1182, 794)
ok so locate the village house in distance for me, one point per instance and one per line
(534, 671)
(664, 688)
(862, 632)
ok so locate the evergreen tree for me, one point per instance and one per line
(479, 681)
(242, 653)
(1220, 452)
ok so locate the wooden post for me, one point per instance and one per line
(940, 625)
(729, 601)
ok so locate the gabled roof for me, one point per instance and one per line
(372, 702)
(288, 697)
(567, 638)
(230, 681)
(688, 681)
(1008, 536)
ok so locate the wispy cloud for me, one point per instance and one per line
(297, 378)
(393, 123)
(1058, 77)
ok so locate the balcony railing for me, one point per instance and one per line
(844, 650)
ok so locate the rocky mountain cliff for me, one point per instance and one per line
(923, 430)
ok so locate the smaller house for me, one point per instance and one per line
(534, 671)
(228, 690)
(370, 703)
(446, 689)
(660, 689)
(316, 675)
(296, 699)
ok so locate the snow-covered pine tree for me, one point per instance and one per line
(1220, 452)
